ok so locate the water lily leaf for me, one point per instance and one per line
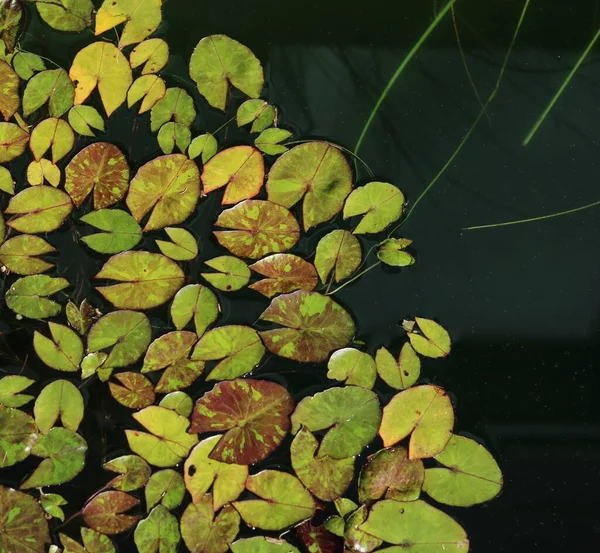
(7, 183)
(183, 247)
(390, 473)
(102, 168)
(147, 280)
(13, 141)
(176, 105)
(95, 542)
(158, 533)
(426, 411)
(434, 340)
(51, 503)
(391, 252)
(25, 532)
(70, 545)
(127, 333)
(52, 134)
(263, 544)
(219, 61)
(258, 112)
(202, 532)
(59, 399)
(340, 252)
(174, 134)
(258, 228)
(205, 144)
(179, 402)
(317, 539)
(270, 141)
(133, 472)
(415, 526)
(381, 204)
(18, 434)
(52, 86)
(238, 347)
(65, 15)
(356, 539)
(39, 172)
(195, 302)
(136, 393)
(121, 231)
(314, 325)
(317, 171)
(152, 53)
(168, 442)
(38, 209)
(85, 118)
(351, 414)
(105, 512)
(254, 414)
(80, 318)
(149, 87)
(284, 501)
(240, 168)
(10, 19)
(18, 254)
(9, 87)
(285, 273)
(141, 19)
(353, 367)
(168, 187)
(327, 478)
(233, 274)
(26, 64)
(63, 352)
(64, 458)
(345, 506)
(399, 374)
(28, 296)
(227, 480)
(102, 65)
(10, 388)
(471, 475)
(165, 487)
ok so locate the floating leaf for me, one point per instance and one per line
(152, 53)
(240, 168)
(18, 254)
(317, 171)
(195, 302)
(10, 386)
(85, 118)
(26, 64)
(351, 414)
(102, 65)
(63, 352)
(23, 526)
(176, 105)
(314, 325)
(64, 458)
(168, 187)
(51, 503)
(28, 296)
(7, 183)
(203, 533)
(258, 112)
(121, 231)
(434, 342)
(18, 434)
(381, 204)
(233, 274)
(262, 544)
(168, 442)
(13, 141)
(127, 333)
(285, 273)
(238, 347)
(52, 86)
(327, 478)
(258, 228)
(147, 280)
(80, 318)
(136, 393)
(426, 411)
(353, 367)
(317, 539)
(254, 414)
(174, 134)
(158, 533)
(399, 374)
(356, 539)
(471, 475)
(39, 172)
(227, 480)
(391, 252)
(133, 472)
(284, 501)
(92, 364)
(269, 141)
(38, 209)
(95, 542)
(105, 512)
(59, 399)
(66, 15)
(10, 23)
(392, 474)
(219, 61)
(179, 402)
(340, 252)
(52, 134)
(165, 487)
(9, 91)
(141, 19)
(149, 87)
(183, 246)
(205, 144)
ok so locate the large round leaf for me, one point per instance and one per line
(38, 209)
(18, 434)
(253, 413)
(315, 325)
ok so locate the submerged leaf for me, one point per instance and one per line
(18, 434)
(195, 302)
(158, 533)
(38, 209)
(52, 86)
(141, 18)
(105, 512)
(340, 252)
(149, 87)
(63, 352)
(18, 254)
(353, 367)
(233, 274)
(121, 231)
(285, 273)
(152, 53)
(28, 296)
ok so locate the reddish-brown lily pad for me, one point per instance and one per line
(317, 539)
(285, 273)
(105, 512)
(136, 391)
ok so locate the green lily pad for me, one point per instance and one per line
(195, 302)
(18, 434)
(426, 413)
(38, 209)
(392, 252)
(205, 145)
(400, 374)
(263, 544)
(270, 141)
(340, 252)
(173, 135)
(314, 326)
(159, 532)
(148, 88)
(136, 391)
(105, 513)
(13, 141)
(85, 118)
(254, 414)
(317, 539)
(59, 399)
(434, 340)
(52, 503)
(178, 401)
(176, 105)
(133, 473)
(141, 19)
(28, 296)
(66, 15)
(19, 254)
(183, 247)
(351, 414)
(27, 64)
(9, 84)
(285, 273)
(165, 487)
(353, 367)
(95, 542)
(258, 112)
(80, 318)
(233, 274)
(7, 183)
(63, 352)
(153, 54)
(380, 203)
(52, 86)
(52, 134)
(121, 231)
(355, 538)
(10, 388)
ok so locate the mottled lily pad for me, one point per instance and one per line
(105, 513)
(136, 391)
(133, 472)
(263, 544)
(18, 434)
(9, 85)
(165, 487)
(19, 254)
(285, 273)
(158, 532)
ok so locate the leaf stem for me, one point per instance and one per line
(355, 277)
(223, 125)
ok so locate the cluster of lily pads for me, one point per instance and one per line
(192, 460)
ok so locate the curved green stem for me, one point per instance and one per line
(354, 278)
